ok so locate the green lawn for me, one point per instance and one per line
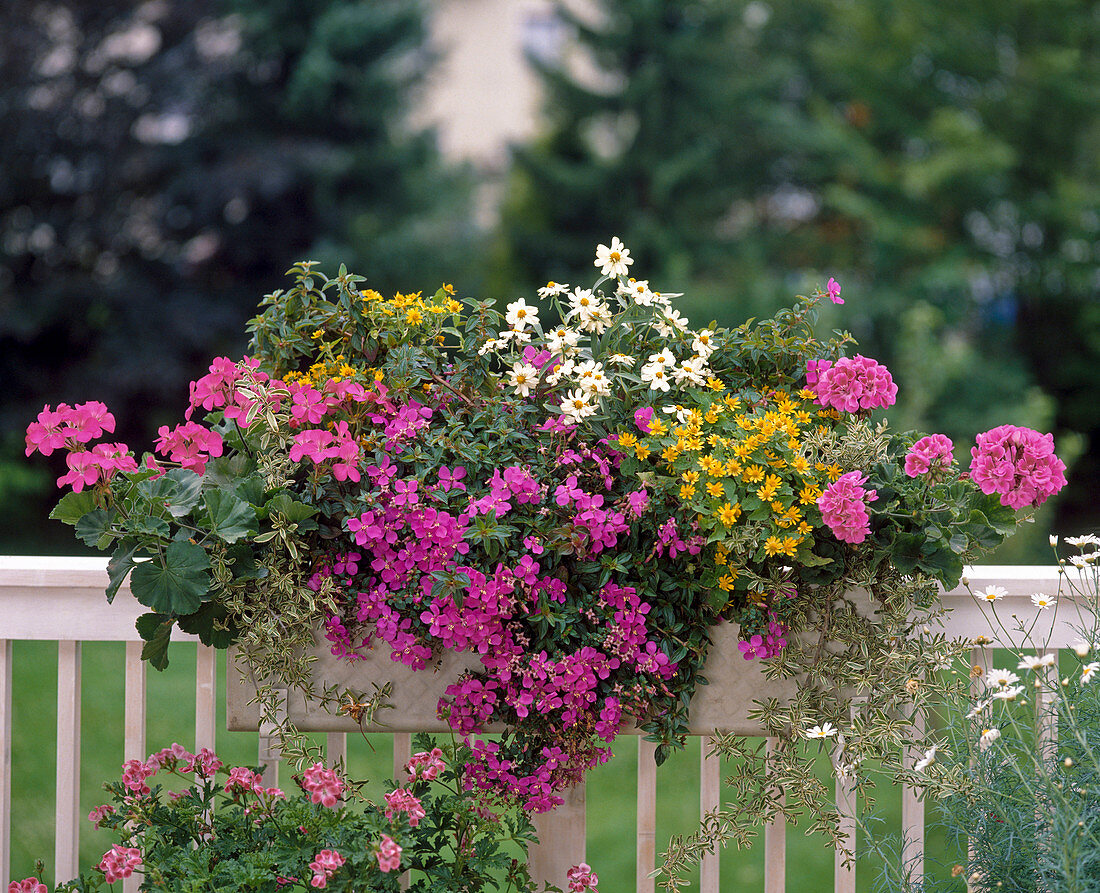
(611, 810)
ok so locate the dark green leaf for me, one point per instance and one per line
(93, 527)
(230, 517)
(157, 633)
(118, 567)
(204, 623)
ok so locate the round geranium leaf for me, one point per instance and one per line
(175, 582)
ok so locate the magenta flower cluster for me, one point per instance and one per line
(1017, 463)
(766, 644)
(73, 428)
(843, 507)
(851, 384)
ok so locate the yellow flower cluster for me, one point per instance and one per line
(414, 308)
(745, 470)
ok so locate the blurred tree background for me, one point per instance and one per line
(166, 162)
(938, 158)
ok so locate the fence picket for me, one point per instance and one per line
(775, 847)
(646, 843)
(66, 821)
(5, 762)
(912, 816)
(206, 702)
(133, 741)
(710, 795)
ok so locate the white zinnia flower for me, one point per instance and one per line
(656, 375)
(596, 318)
(563, 371)
(703, 343)
(576, 406)
(562, 341)
(992, 593)
(825, 730)
(520, 315)
(590, 376)
(1041, 601)
(523, 377)
(614, 260)
(621, 359)
(1001, 678)
(581, 300)
(663, 358)
(987, 738)
(927, 760)
(669, 322)
(691, 371)
(492, 346)
(553, 289)
(1089, 670)
(1036, 661)
(520, 336)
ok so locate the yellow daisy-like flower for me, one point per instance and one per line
(834, 471)
(727, 582)
(804, 528)
(801, 465)
(754, 474)
(786, 405)
(721, 554)
(732, 403)
(670, 454)
(687, 491)
(728, 514)
(448, 288)
(715, 489)
(690, 477)
(771, 486)
(454, 306)
(627, 440)
(790, 545)
(641, 452)
(733, 467)
(773, 545)
(809, 494)
(715, 384)
(657, 428)
(711, 466)
(318, 334)
(712, 414)
(414, 317)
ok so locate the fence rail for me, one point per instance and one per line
(61, 599)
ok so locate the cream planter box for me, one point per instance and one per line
(735, 683)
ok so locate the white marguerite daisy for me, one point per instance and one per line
(1042, 601)
(523, 377)
(825, 730)
(1037, 661)
(1089, 539)
(1081, 648)
(1001, 678)
(992, 593)
(1089, 670)
(613, 260)
(1010, 693)
(1053, 539)
(987, 738)
(927, 760)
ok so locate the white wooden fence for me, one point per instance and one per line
(61, 599)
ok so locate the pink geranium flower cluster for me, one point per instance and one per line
(581, 878)
(851, 383)
(930, 455)
(119, 862)
(324, 865)
(189, 444)
(403, 800)
(323, 446)
(323, 785)
(425, 765)
(73, 428)
(843, 506)
(1017, 463)
(388, 854)
(27, 885)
